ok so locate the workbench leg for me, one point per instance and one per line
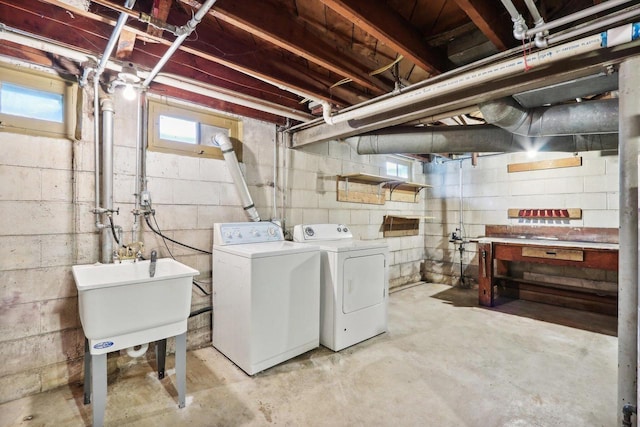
(181, 368)
(485, 275)
(99, 387)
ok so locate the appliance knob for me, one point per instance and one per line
(255, 233)
(345, 229)
(271, 231)
(339, 229)
(309, 231)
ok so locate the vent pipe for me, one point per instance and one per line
(470, 139)
(223, 141)
(593, 117)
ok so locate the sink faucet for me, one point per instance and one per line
(152, 264)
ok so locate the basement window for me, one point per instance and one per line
(189, 131)
(35, 103)
(399, 168)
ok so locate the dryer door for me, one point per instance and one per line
(363, 282)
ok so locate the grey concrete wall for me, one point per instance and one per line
(488, 190)
(47, 195)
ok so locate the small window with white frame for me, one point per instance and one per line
(189, 131)
(398, 167)
(36, 103)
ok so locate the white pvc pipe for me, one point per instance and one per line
(230, 158)
(226, 95)
(471, 79)
(132, 352)
(576, 16)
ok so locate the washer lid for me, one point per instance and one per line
(266, 249)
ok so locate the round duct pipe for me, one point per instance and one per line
(474, 139)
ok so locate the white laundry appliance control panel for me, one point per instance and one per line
(311, 232)
(236, 233)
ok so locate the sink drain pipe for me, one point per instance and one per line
(132, 352)
(221, 140)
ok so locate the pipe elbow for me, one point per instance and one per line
(326, 113)
(223, 142)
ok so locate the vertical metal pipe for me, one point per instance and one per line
(96, 146)
(628, 304)
(135, 230)
(107, 174)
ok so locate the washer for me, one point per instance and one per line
(354, 284)
(266, 295)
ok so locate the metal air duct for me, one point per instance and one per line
(473, 139)
(593, 117)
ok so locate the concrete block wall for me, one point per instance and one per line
(46, 200)
(311, 172)
(488, 190)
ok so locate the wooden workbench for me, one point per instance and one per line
(495, 254)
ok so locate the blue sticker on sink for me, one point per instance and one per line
(103, 344)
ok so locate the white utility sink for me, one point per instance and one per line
(121, 306)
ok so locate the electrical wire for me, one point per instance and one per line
(200, 311)
(197, 285)
(159, 233)
(113, 230)
(164, 240)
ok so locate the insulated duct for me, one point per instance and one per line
(593, 117)
(223, 141)
(473, 139)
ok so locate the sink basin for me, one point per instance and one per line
(121, 306)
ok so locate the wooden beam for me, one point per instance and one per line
(269, 23)
(567, 162)
(486, 15)
(220, 48)
(160, 10)
(89, 32)
(126, 42)
(384, 23)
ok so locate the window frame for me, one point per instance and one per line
(397, 162)
(44, 82)
(166, 107)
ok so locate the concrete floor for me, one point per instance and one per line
(444, 362)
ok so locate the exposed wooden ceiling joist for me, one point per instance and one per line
(273, 25)
(385, 24)
(486, 16)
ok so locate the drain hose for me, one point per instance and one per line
(132, 352)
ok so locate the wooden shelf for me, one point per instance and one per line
(396, 226)
(375, 189)
(362, 188)
(404, 191)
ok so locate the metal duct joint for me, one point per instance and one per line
(223, 141)
(593, 117)
(470, 139)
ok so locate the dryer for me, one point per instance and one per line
(266, 295)
(354, 284)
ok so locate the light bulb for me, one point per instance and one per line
(532, 153)
(129, 93)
